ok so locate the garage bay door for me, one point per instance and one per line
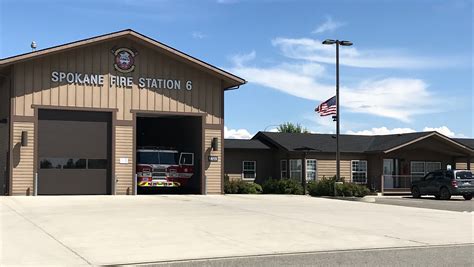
(74, 152)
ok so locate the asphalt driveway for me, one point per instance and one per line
(456, 203)
(99, 230)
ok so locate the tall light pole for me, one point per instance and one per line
(338, 118)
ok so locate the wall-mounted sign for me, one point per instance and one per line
(124, 59)
(213, 158)
(119, 81)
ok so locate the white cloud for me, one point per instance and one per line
(328, 26)
(397, 98)
(385, 97)
(198, 35)
(240, 59)
(384, 131)
(236, 133)
(443, 130)
(313, 50)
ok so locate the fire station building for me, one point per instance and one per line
(72, 116)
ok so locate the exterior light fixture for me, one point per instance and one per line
(215, 144)
(24, 138)
(329, 42)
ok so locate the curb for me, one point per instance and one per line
(370, 199)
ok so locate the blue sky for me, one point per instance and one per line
(410, 68)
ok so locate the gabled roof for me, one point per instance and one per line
(230, 79)
(351, 143)
(465, 141)
(315, 142)
(244, 144)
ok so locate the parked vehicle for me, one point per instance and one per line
(157, 167)
(445, 183)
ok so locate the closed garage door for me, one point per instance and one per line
(74, 152)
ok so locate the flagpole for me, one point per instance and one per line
(338, 119)
(338, 105)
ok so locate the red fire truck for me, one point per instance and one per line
(158, 167)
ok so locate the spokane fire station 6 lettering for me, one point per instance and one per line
(152, 83)
(120, 81)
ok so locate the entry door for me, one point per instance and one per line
(388, 169)
(74, 153)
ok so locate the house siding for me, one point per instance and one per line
(33, 85)
(235, 157)
(213, 170)
(33, 89)
(22, 159)
(124, 172)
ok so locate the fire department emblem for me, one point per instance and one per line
(124, 60)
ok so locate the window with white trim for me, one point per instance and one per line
(310, 170)
(283, 169)
(296, 169)
(359, 171)
(249, 170)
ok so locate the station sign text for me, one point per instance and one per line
(120, 81)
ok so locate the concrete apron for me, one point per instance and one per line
(73, 230)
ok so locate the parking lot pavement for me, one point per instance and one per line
(456, 203)
(458, 255)
(106, 230)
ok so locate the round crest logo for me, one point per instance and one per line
(124, 60)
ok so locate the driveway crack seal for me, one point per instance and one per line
(48, 234)
(409, 240)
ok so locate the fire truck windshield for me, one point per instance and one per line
(150, 157)
(147, 157)
(169, 158)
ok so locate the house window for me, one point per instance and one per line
(310, 170)
(283, 169)
(432, 166)
(359, 171)
(295, 169)
(420, 168)
(249, 170)
(417, 168)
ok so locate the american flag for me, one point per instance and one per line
(328, 107)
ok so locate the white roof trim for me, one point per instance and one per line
(427, 136)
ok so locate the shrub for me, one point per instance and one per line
(241, 187)
(282, 186)
(325, 187)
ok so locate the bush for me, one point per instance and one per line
(325, 187)
(282, 186)
(241, 187)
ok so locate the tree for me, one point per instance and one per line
(289, 127)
